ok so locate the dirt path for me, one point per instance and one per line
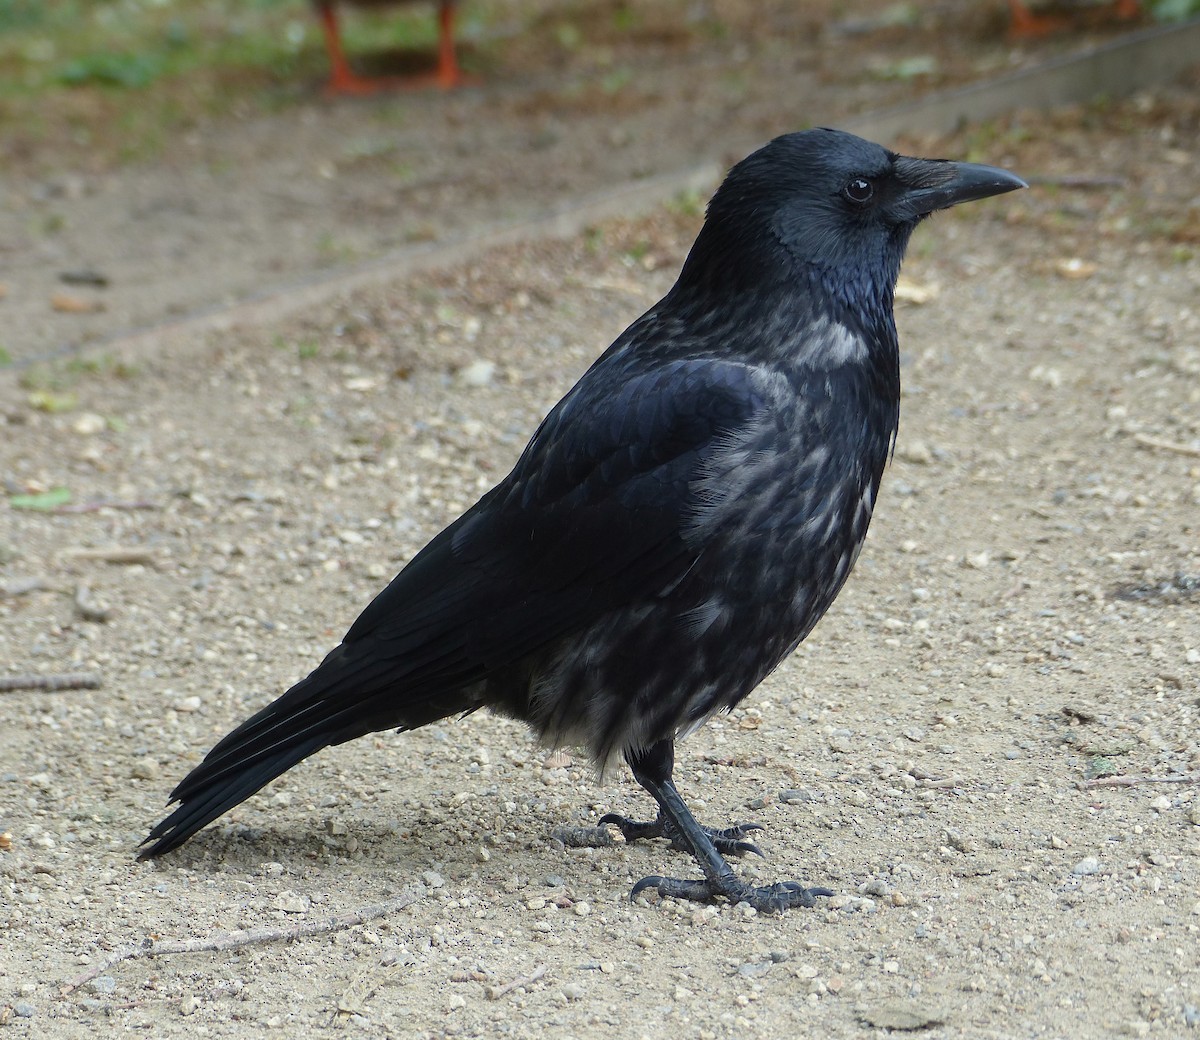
(237, 207)
(1023, 626)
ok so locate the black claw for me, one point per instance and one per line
(741, 848)
(645, 883)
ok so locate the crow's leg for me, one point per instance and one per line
(652, 769)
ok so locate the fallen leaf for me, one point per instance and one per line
(66, 303)
(44, 501)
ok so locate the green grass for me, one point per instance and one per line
(112, 81)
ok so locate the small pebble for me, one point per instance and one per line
(433, 879)
(477, 373)
(144, 769)
(290, 902)
(1086, 866)
(103, 984)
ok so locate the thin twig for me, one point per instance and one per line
(88, 607)
(1147, 441)
(94, 505)
(114, 554)
(247, 937)
(50, 683)
(1133, 781)
(496, 992)
(1078, 180)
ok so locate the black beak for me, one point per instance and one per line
(936, 184)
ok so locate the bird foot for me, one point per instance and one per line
(766, 899)
(729, 841)
(353, 85)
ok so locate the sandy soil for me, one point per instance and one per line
(1022, 629)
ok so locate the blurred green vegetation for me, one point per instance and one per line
(111, 80)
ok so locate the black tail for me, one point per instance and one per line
(350, 694)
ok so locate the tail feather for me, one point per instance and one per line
(348, 695)
(212, 798)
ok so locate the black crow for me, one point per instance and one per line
(678, 523)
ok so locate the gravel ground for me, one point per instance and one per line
(988, 748)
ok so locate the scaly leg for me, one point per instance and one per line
(652, 769)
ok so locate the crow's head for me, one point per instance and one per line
(829, 199)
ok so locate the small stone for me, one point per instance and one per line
(916, 452)
(89, 424)
(456, 1001)
(103, 984)
(581, 909)
(1193, 655)
(144, 769)
(477, 373)
(796, 795)
(1161, 804)
(291, 902)
(572, 991)
(1086, 866)
(23, 1009)
(189, 1005)
(841, 741)
(433, 879)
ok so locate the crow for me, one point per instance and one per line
(678, 523)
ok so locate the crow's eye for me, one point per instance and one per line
(859, 190)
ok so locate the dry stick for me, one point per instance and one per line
(496, 992)
(247, 937)
(114, 554)
(1147, 441)
(95, 505)
(1133, 781)
(50, 683)
(1079, 180)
